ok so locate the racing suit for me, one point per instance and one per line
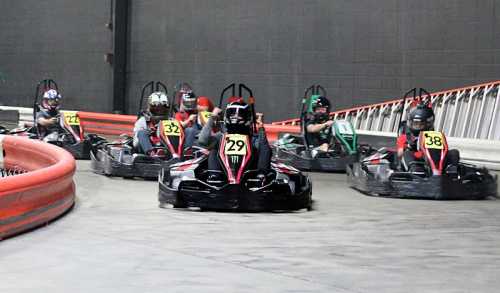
(260, 146)
(191, 130)
(146, 133)
(315, 139)
(407, 144)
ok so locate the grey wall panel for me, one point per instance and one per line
(362, 51)
(62, 40)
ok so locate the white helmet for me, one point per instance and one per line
(158, 103)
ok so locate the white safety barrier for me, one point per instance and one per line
(470, 112)
(25, 115)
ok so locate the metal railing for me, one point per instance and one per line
(469, 112)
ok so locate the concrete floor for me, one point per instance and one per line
(117, 240)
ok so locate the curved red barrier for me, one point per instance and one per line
(41, 194)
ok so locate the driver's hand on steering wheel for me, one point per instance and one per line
(53, 120)
(216, 112)
(260, 120)
(329, 123)
(192, 117)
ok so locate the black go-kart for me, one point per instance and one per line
(121, 159)
(69, 134)
(297, 150)
(440, 175)
(186, 184)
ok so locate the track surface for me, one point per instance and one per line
(118, 240)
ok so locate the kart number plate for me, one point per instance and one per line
(344, 127)
(205, 115)
(171, 128)
(236, 145)
(434, 140)
(71, 117)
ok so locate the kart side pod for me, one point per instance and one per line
(345, 133)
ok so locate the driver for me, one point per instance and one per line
(146, 127)
(318, 127)
(191, 133)
(421, 118)
(237, 120)
(47, 117)
(188, 104)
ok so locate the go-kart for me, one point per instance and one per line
(186, 184)
(440, 175)
(120, 158)
(68, 132)
(297, 150)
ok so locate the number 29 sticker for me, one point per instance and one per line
(236, 145)
(434, 140)
(171, 128)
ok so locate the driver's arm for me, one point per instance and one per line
(140, 124)
(46, 121)
(315, 128)
(205, 138)
(401, 145)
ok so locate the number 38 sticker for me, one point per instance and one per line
(236, 145)
(71, 118)
(434, 140)
(171, 128)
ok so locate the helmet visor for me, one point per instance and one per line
(321, 110)
(53, 102)
(418, 125)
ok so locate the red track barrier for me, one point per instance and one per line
(107, 124)
(114, 125)
(41, 194)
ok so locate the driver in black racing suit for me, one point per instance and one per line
(318, 126)
(237, 120)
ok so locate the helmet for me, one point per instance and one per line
(205, 102)
(158, 104)
(51, 100)
(421, 118)
(237, 117)
(189, 101)
(320, 107)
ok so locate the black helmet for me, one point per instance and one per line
(184, 95)
(320, 102)
(421, 118)
(237, 117)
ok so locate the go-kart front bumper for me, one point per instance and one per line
(406, 185)
(233, 197)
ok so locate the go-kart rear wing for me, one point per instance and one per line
(305, 107)
(423, 97)
(42, 87)
(147, 90)
(251, 100)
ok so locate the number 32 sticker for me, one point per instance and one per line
(171, 128)
(434, 140)
(236, 145)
